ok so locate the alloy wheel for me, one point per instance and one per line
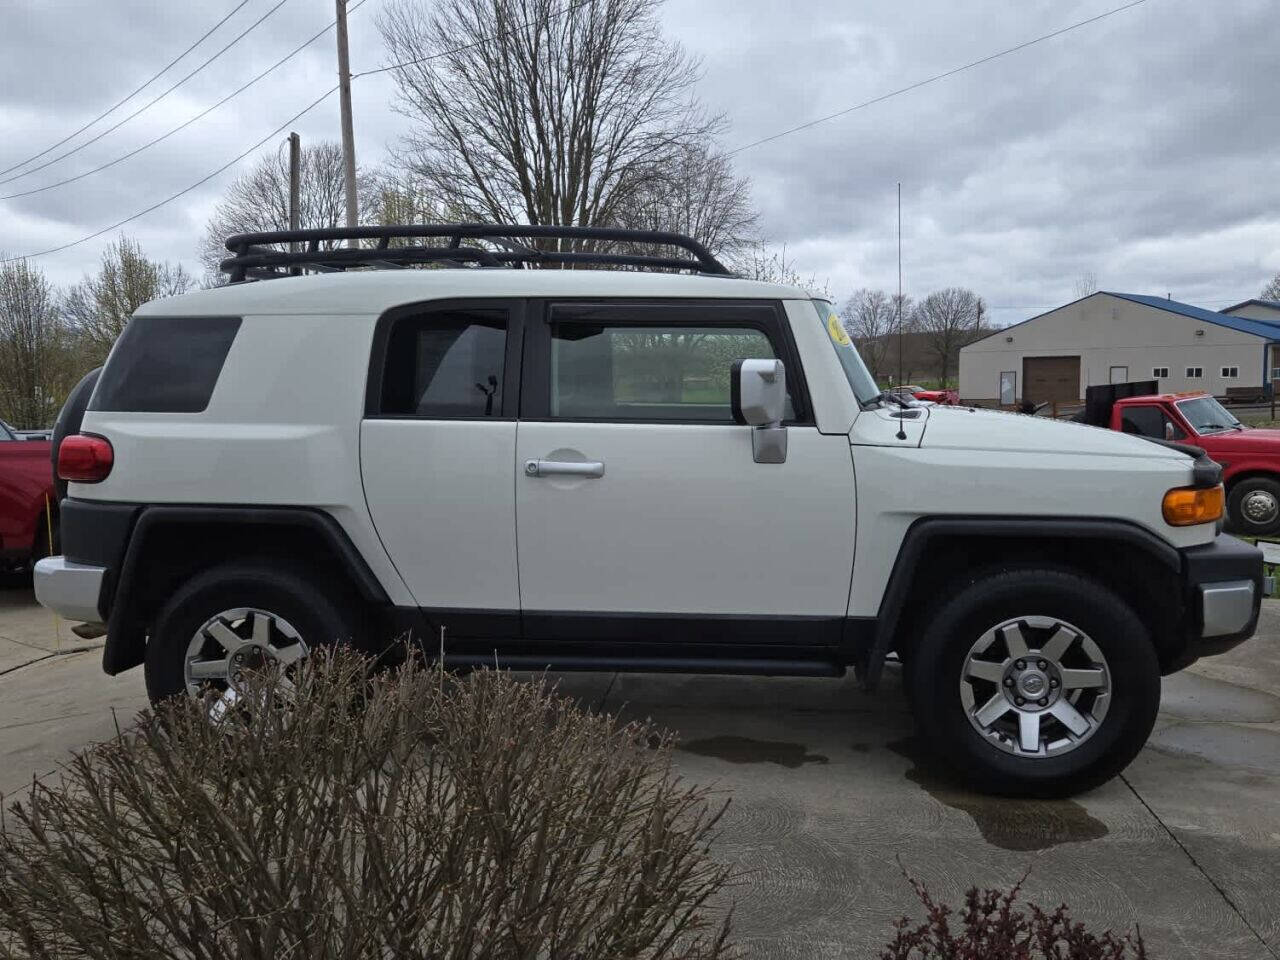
(1035, 686)
(232, 644)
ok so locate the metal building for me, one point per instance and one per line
(1118, 337)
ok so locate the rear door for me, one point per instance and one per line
(437, 454)
(655, 523)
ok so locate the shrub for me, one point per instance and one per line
(407, 815)
(992, 928)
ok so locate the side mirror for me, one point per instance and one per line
(758, 397)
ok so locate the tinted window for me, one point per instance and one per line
(165, 364)
(446, 363)
(1148, 421)
(603, 371)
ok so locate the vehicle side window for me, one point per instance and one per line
(5, 435)
(649, 371)
(1149, 421)
(446, 363)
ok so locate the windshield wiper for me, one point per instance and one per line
(884, 397)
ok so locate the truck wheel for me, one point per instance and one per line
(1254, 506)
(1035, 682)
(233, 618)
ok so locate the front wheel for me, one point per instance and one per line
(1254, 506)
(1035, 682)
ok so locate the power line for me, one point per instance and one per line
(151, 103)
(936, 77)
(120, 103)
(204, 113)
(203, 180)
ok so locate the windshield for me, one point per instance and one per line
(859, 377)
(1207, 415)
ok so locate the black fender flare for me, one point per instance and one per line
(927, 529)
(126, 634)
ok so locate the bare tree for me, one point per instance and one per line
(869, 317)
(33, 347)
(1272, 290)
(1086, 284)
(540, 111)
(947, 320)
(258, 200)
(698, 194)
(761, 262)
(99, 306)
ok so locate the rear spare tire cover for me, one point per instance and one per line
(69, 420)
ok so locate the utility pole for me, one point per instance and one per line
(348, 134)
(295, 190)
(899, 300)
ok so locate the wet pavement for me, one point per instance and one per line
(831, 798)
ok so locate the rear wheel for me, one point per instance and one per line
(1254, 506)
(230, 620)
(1035, 682)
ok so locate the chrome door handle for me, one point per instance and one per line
(563, 468)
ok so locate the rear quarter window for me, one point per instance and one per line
(165, 365)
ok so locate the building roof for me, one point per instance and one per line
(1259, 328)
(1273, 304)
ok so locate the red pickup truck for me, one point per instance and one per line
(1250, 456)
(26, 490)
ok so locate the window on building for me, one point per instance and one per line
(1275, 373)
(1195, 373)
(1159, 373)
(1230, 373)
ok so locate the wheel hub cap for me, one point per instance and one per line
(233, 644)
(1035, 686)
(1260, 507)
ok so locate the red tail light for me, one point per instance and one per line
(85, 459)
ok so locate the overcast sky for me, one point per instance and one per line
(1144, 148)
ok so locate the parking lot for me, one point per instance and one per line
(829, 792)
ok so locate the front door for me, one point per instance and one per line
(641, 514)
(437, 451)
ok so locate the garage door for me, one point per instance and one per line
(1045, 379)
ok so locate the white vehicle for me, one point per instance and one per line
(623, 470)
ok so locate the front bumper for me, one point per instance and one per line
(72, 590)
(1223, 588)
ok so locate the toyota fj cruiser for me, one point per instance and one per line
(627, 469)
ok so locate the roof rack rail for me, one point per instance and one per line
(253, 260)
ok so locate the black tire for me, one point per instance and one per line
(320, 613)
(943, 721)
(1268, 522)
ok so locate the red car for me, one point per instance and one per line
(1250, 456)
(949, 397)
(26, 491)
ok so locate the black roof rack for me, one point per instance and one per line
(252, 259)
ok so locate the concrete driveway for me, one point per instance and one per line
(829, 792)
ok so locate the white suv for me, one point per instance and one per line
(623, 469)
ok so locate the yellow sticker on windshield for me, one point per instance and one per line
(837, 330)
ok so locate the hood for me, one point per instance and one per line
(976, 429)
(1252, 440)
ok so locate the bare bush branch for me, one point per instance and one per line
(407, 815)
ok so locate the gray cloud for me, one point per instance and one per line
(1142, 148)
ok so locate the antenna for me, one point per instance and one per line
(898, 302)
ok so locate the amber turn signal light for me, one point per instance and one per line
(1184, 506)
